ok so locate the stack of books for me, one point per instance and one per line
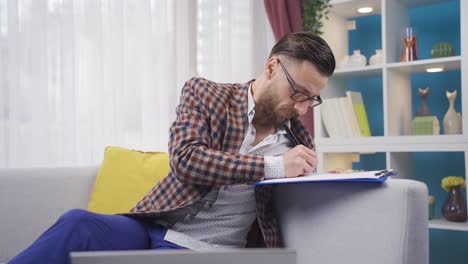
(345, 116)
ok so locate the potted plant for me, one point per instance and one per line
(454, 208)
(314, 12)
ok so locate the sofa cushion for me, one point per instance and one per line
(125, 177)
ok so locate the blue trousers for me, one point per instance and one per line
(81, 230)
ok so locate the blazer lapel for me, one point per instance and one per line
(238, 121)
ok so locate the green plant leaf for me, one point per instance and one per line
(314, 13)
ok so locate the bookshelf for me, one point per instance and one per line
(391, 144)
(391, 92)
(442, 224)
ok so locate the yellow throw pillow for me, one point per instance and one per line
(125, 177)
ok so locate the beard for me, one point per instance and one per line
(267, 114)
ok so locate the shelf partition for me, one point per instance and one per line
(392, 144)
(447, 63)
(444, 224)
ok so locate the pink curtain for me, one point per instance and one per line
(285, 16)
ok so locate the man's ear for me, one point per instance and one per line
(271, 67)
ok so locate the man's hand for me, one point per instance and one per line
(299, 161)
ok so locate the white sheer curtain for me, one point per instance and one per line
(79, 75)
(234, 39)
(76, 76)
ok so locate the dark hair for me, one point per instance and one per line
(307, 46)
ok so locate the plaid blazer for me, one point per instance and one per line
(205, 140)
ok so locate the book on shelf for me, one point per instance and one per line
(338, 117)
(328, 117)
(333, 117)
(360, 111)
(352, 117)
(344, 116)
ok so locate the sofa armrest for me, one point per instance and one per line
(207, 256)
(32, 199)
(351, 222)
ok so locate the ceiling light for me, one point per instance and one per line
(435, 69)
(364, 10)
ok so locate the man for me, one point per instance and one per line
(226, 137)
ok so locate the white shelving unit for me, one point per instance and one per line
(396, 142)
(443, 224)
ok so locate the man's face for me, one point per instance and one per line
(275, 106)
(269, 111)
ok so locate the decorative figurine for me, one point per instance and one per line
(424, 110)
(410, 51)
(357, 59)
(442, 49)
(452, 119)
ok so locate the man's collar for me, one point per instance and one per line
(251, 104)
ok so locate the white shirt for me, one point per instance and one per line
(222, 219)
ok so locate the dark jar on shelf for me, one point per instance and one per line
(454, 208)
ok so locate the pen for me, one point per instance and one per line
(295, 140)
(293, 137)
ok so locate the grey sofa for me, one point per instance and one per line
(322, 222)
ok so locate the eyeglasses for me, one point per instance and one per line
(298, 96)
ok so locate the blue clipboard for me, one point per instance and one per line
(367, 176)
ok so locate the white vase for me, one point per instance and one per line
(376, 59)
(357, 59)
(452, 119)
(344, 62)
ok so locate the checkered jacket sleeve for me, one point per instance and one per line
(197, 154)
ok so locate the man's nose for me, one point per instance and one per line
(301, 107)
